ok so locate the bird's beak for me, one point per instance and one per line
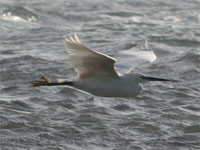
(147, 78)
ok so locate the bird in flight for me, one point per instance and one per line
(96, 73)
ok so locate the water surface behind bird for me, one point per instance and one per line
(164, 116)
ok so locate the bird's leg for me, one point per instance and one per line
(46, 82)
(43, 82)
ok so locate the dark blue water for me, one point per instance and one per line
(165, 116)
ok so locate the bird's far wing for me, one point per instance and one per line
(88, 63)
(131, 58)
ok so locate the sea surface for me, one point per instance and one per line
(165, 116)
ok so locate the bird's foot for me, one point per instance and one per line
(43, 82)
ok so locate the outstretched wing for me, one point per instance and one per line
(129, 59)
(89, 63)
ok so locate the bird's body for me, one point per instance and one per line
(96, 73)
(110, 87)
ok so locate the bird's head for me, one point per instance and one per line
(141, 78)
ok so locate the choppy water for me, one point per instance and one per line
(166, 116)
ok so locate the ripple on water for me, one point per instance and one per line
(192, 129)
(176, 42)
(19, 14)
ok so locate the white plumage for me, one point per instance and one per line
(96, 73)
(89, 63)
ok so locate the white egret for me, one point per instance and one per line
(96, 73)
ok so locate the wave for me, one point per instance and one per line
(19, 14)
(175, 41)
(189, 56)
